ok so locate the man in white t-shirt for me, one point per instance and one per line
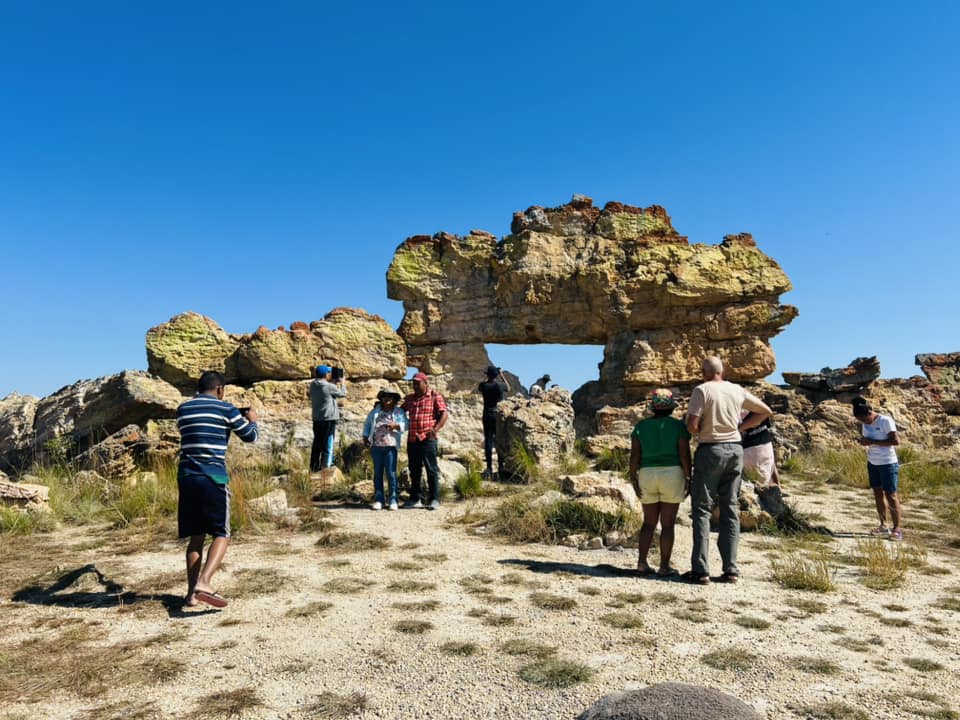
(879, 435)
(714, 418)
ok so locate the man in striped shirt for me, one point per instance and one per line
(205, 423)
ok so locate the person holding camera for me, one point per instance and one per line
(493, 390)
(427, 413)
(323, 398)
(203, 504)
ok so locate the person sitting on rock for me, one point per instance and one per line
(660, 473)
(493, 390)
(540, 386)
(382, 433)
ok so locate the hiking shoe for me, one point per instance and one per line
(896, 534)
(435, 505)
(393, 506)
(377, 506)
(413, 504)
(882, 530)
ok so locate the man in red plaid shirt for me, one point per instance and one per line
(427, 413)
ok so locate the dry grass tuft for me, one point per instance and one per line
(623, 620)
(455, 647)
(549, 601)
(731, 658)
(350, 542)
(556, 673)
(330, 705)
(404, 565)
(798, 572)
(120, 710)
(949, 603)
(411, 586)
(499, 620)
(922, 664)
(431, 557)
(254, 582)
(412, 627)
(520, 646)
(591, 590)
(815, 665)
(346, 585)
(809, 607)
(310, 609)
(417, 606)
(886, 563)
(228, 704)
(832, 711)
(751, 622)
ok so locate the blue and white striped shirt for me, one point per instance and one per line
(205, 424)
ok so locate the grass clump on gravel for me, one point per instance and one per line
(522, 518)
(549, 601)
(310, 609)
(230, 703)
(330, 705)
(499, 620)
(555, 673)
(832, 711)
(623, 620)
(346, 585)
(886, 564)
(456, 647)
(922, 664)
(751, 622)
(815, 666)
(417, 606)
(412, 627)
(349, 542)
(411, 586)
(798, 572)
(731, 658)
(521, 646)
(806, 606)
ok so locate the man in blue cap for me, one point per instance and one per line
(323, 398)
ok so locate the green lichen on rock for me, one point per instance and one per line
(180, 349)
(414, 266)
(628, 226)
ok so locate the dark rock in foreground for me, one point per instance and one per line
(669, 701)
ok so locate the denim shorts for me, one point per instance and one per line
(884, 477)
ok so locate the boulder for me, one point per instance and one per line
(670, 701)
(25, 496)
(273, 504)
(850, 379)
(326, 480)
(543, 427)
(17, 414)
(182, 348)
(92, 409)
(600, 484)
(118, 456)
(943, 370)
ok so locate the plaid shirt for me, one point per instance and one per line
(422, 413)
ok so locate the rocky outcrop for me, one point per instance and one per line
(534, 430)
(24, 496)
(670, 701)
(17, 413)
(843, 383)
(621, 277)
(180, 349)
(943, 370)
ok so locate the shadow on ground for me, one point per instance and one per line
(110, 594)
(601, 570)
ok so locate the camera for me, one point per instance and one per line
(244, 411)
(336, 373)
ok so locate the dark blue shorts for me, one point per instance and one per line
(884, 477)
(203, 507)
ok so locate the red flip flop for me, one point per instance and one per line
(210, 598)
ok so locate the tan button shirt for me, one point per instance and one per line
(718, 405)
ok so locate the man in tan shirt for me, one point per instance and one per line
(713, 418)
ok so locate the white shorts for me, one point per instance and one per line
(760, 459)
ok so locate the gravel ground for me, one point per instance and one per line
(288, 662)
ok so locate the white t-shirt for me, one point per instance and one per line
(880, 429)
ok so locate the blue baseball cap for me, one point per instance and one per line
(323, 370)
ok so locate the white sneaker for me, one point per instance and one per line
(435, 505)
(410, 504)
(377, 506)
(393, 506)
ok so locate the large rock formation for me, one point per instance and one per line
(538, 430)
(17, 413)
(620, 277)
(842, 383)
(943, 370)
(180, 349)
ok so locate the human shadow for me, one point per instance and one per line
(597, 571)
(109, 594)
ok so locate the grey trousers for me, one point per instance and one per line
(716, 478)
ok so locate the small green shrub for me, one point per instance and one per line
(797, 572)
(613, 460)
(556, 673)
(732, 658)
(549, 601)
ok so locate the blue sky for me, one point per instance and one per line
(260, 162)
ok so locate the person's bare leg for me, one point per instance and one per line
(218, 548)
(893, 502)
(668, 519)
(194, 556)
(651, 515)
(881, 505)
